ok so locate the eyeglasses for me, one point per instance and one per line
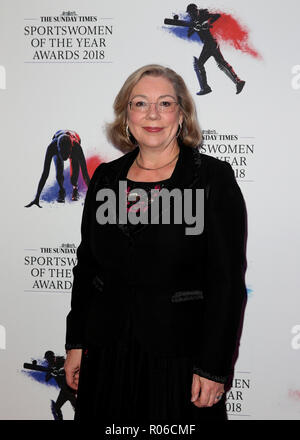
(162, 106)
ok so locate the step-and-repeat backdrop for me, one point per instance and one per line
(61, 65)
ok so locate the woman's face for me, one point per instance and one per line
(153, 128)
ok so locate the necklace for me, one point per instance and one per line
(144, 168)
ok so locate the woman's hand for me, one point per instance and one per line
(72, 367)
(205, 392)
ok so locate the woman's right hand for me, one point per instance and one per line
(72, 367)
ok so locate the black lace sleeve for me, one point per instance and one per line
(225, 292)
(84, 272)
(200, 372)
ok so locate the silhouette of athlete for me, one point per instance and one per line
(56, 365)
(201, 22)
(65, 145)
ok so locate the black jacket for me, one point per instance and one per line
(187, 292)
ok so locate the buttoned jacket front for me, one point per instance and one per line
(186, 293)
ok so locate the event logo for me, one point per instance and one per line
(232, 148)
(50, 268)
(50, 371)
(65, 145)
(210, 28)
(68, 37)
(236, 397)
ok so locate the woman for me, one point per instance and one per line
(155, 311)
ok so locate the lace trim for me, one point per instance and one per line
(197, 161)
(73, 346)
(200, 372)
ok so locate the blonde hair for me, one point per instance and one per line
(190, 133)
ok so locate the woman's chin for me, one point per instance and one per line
(155, 143)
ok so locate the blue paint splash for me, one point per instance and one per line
(182, 32)
(249, 292)
(50, 193)
(40, 376)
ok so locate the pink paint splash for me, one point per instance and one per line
(294, 394)
(230, 31)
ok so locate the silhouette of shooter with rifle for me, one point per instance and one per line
(201, 22)
(65, 144)
(55, 369)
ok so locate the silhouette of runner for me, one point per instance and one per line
(65, 145)
(201, 22)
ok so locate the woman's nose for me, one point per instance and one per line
(153, 112)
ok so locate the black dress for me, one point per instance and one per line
(125, 383)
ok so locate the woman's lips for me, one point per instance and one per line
(152, 129)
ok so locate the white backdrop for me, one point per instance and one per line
(257, 131)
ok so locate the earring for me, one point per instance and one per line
(127, 132)
(179, 129)
(130, 136)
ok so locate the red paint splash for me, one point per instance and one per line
(92, 163)
(229, 30)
